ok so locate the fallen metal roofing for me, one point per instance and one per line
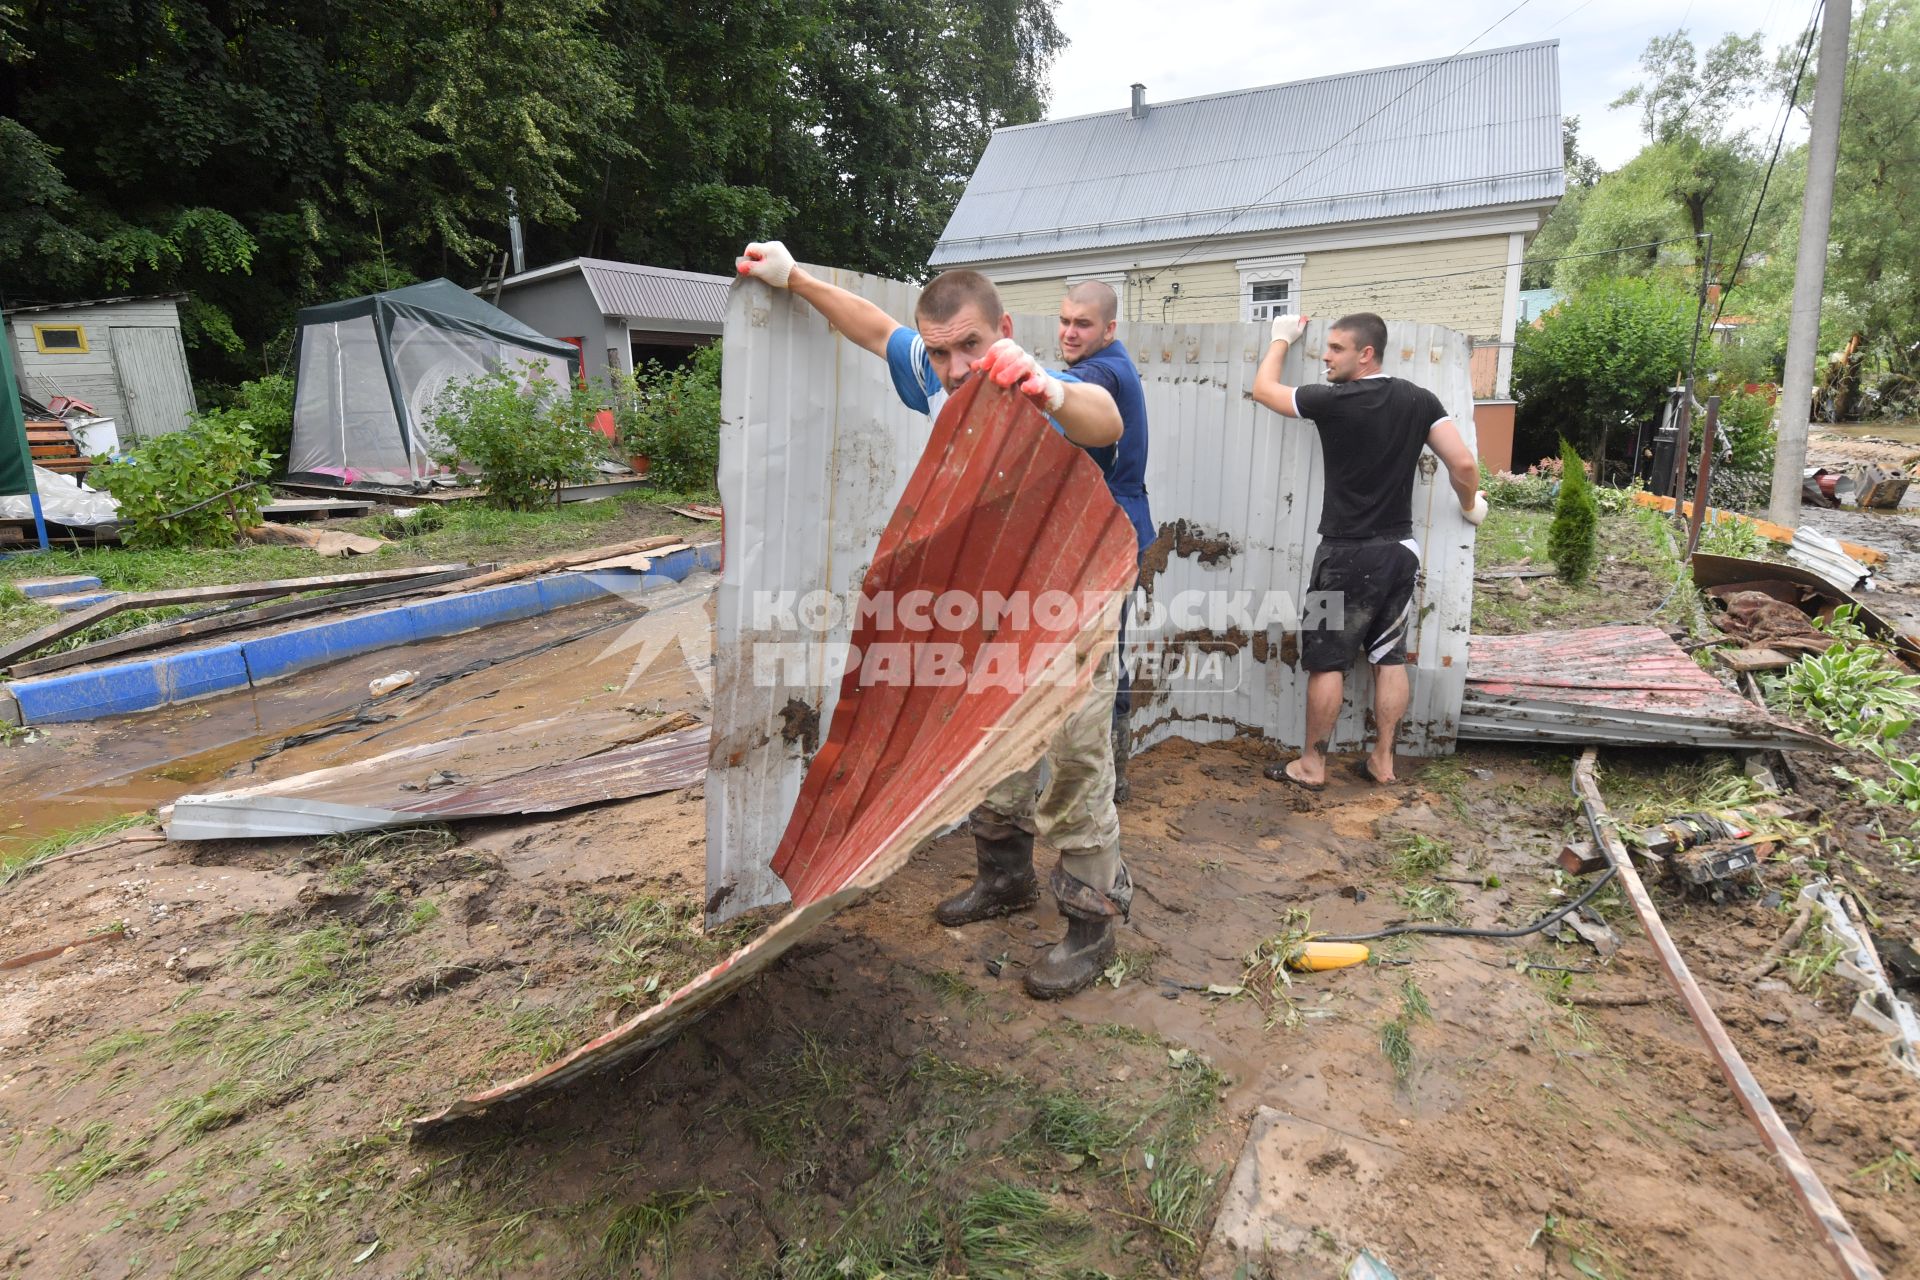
(1627, 685)
(998, 502)
(1451, 134)
(322, 803)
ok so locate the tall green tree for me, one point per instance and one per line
(263, 156)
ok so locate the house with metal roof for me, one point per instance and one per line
(1411, 191)
(618, 313)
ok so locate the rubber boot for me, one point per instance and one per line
(1122, 748)
(1077, 961)
(1003, 880)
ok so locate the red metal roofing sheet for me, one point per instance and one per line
(998, 503)
(1624, 676)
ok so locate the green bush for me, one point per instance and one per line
(1573, 537)
(1599, 365)
(527, 435)
(170, 490)
(672, 416)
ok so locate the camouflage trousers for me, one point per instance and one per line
(1075, 814)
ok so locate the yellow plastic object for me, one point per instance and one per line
(1315, 956)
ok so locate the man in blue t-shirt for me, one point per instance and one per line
(959, 324)
(1089, 323)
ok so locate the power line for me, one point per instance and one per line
(1784, 118)
(1310, 160)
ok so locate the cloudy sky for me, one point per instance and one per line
(1194, 47)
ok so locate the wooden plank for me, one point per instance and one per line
(151, 637)
(1849, 1255)
(529, 568)
(1754, 659)
(195, 595)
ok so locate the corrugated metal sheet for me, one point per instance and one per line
(1609, 685)
(1459, 133)
(655, 293)
(997, 502)
(815, 449)
(297, 807)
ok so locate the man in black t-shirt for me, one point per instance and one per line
(1372, 429)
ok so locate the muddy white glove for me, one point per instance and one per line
(767, 261)
(1010, 366)
(1478, 511)
(1288, 328)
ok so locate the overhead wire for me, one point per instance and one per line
(1782, 119)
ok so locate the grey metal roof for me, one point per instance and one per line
(1451, 134)
(642, 293)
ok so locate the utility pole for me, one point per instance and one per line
(1810, 269)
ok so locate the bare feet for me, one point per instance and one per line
(1312, 775)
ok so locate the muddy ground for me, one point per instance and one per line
(222, 1091)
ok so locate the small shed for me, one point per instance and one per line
(123, 356)
(619, 314)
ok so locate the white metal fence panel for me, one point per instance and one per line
(1235, 490)
(816, 450)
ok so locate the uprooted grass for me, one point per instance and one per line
(27, 858)
(1267, 976)
(1416, 856)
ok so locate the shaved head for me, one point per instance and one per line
(1099, 295)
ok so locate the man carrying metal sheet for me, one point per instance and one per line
(960, 327)
(1089, 323)
(1372, 428)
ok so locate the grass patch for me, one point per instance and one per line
(318, 964)
(1177, 1202)
(1896, 1171)
(1416, 857)
(1075, 1128)
(1413, 1002)
(1439, 903)
(103, 1051)
(97, 1156)
(803, 1099)
(23, 861)
(1129, 964)
(949, 986)
(1446, 776)
(1396, 1046)
(470, 532)
(650, 1226)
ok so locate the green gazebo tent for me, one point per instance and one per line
(367, 370)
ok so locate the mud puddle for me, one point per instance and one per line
(572, 661)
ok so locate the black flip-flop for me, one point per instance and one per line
(1358, 768)
(1278, 773)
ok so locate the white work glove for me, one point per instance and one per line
(1478, 511)
(767, 261)
(1010, 366)
(1288, 328)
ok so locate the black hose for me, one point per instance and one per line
(1458, 931)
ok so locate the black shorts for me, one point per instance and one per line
(1372, 580)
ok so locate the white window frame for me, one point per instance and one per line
(1287, 267)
